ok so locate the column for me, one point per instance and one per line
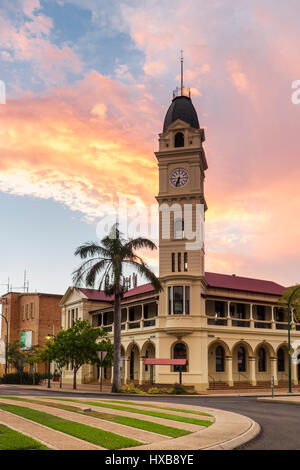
(228, 371)
(274, 369)
(229, 320)
(252, 371)
(142, 371)
(126, 370)
(251, 316)
(273, 318)
(294, 373)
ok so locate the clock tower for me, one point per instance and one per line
(181, 165)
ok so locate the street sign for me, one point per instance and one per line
(101, 355)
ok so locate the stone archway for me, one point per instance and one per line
(148, 351)
(133, 354)
(218, 355)
(243, 364)
(265, 362)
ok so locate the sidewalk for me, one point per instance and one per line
(95, 389)
(290, 400)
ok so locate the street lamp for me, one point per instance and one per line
(101, 356)
(48, 337)
(289, 336)
(6, 342)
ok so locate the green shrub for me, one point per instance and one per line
(25, 378)
(154, 390)
(131, 389)
(178, 389)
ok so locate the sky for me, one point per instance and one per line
(87, 88)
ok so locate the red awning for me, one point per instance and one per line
(165, 362)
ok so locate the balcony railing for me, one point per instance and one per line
(220, 321)
(262, 324)
(148, 323)
(241, 322)
(133, 325)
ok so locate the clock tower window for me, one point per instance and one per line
(179, 140)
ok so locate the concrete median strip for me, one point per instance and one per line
(228, 431)
(55, 440)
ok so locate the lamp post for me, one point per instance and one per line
(101, 356)
(48, 337)
(6, 342)
(289, 336)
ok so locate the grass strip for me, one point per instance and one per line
(155, 414)
(14, 440)
(127, 421)
(87, 433)
(200, 413)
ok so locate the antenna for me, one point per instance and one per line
(181, 72)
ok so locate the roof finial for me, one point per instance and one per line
(181, 63)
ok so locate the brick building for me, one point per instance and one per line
(34, 314)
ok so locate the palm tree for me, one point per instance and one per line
(104, 268)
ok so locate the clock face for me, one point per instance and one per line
(179, 177)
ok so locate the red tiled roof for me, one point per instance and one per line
(94, 294)
(226, 281)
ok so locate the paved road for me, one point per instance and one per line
(280, 423)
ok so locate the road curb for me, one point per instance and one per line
(253, 431)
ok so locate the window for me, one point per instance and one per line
(31, 310)
(220, 359)
(179, 262)
(179, 352)
(241, 357)
(23, 312)
(170, 299)
(261, 360)
(173, 262)
(241, 310)
(261, 312)
(179, 300)
(179, 140)
(219, 309)
(185, 261)
(27, 314)
(280, 360)
(187, 300)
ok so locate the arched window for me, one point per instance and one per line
(241, 356)
(220, 359)
(261, 360)
(280, 360)
(179, 352)
(179, 139)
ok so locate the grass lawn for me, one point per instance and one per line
(200, 413)
(96, 436)
(156, 414)
(13, 440)
(127, 421)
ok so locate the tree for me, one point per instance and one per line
(77, 345)
(104, 267)
(295, 302)
(15, 356)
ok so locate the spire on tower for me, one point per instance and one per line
(182, 91)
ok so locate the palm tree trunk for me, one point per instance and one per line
(117, 345)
